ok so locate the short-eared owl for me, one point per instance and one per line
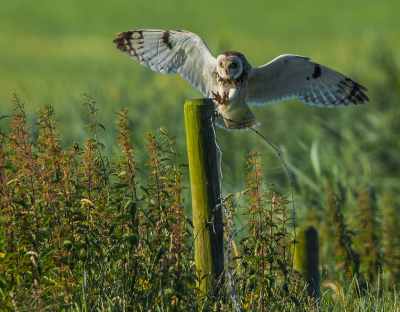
(232, 82)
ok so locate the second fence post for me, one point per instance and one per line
(203, 168)
(306, 259)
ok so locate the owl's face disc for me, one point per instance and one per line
(229, 67)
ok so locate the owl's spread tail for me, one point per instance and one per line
(249, 121)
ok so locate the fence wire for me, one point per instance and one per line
(230, 222)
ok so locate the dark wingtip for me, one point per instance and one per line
(361, 93)
(120, 45)
(363, 89)
(357, 92)
(117, 41)
(125, 36)
(122, 34)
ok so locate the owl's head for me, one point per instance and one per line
(230, 64)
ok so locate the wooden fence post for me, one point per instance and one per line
(306, 259)
(203, 168)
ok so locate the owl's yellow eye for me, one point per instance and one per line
(233, 65)
(222, 65)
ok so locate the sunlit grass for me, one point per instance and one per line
(51, 52)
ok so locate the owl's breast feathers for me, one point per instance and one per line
(235, 108)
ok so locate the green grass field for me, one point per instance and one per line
(52, 52)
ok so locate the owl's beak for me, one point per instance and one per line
(227, 71)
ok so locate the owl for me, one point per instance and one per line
(232, 82)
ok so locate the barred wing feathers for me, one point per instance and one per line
(169, 52)
(290, 76)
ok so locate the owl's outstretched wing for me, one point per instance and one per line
(291, 76)
(169, 52)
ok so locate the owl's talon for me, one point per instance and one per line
(220, 99)
(216, 97)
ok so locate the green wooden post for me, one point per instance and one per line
(306, 259)
(204, 181)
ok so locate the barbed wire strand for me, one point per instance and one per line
(283, 162)
(231, 224)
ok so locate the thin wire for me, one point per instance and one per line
(231, 224)
(220, 199)
(283, 162)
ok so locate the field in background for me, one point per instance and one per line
(51, 52)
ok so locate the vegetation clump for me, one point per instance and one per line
(81, 232)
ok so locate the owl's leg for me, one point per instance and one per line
(219, 119)
(220, 99)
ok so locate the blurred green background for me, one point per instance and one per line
(52, 51)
